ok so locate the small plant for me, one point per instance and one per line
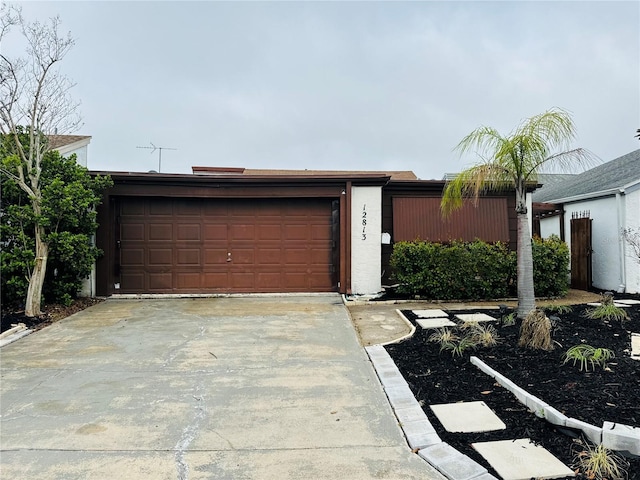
(509, 320)
(558, 309)
(459, 347)
(607, 310)
(485, 335)
(535, 331)
(442, 336)
(600, 463)
(586, 354)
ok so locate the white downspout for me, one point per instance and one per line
(621, 243)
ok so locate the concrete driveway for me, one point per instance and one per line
(208, 388)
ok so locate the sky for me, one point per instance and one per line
(385, 85)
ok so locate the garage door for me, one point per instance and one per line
(169, 245)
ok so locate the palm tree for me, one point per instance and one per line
(513, 162)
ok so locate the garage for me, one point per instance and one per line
(225, 230)
(225, 245)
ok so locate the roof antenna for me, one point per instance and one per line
(153, 148)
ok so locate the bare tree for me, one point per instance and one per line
(632, 237)
(34, 101)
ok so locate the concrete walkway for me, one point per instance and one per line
(378, 323)
(219, 388)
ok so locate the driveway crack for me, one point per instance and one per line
(189, 434)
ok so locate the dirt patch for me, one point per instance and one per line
(51, 313)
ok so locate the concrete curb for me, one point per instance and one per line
(411, 326)
(613, 436)
(420, 434)
(16, 336)
(170, 296)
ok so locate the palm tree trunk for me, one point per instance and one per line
(36, 282)
(526, 294)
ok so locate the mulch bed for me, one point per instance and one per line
(595, 396)
(51, 313)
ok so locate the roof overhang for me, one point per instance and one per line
(64, 148)
(590, 196)
(232, 180)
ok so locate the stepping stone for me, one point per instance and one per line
(521, 460)
(475, 317)
(467, 417)
(628, 302)
(430, 313)
(635, 346)
(435, 322)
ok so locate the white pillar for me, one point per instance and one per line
(366, 236)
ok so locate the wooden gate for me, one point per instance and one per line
(580, 250)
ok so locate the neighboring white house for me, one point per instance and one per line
(67, 145)
(610, 193)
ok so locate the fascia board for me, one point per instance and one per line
(585, 196)
(63, 149)
(632, 187)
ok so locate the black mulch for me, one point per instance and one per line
(594, 396)
(51, 314)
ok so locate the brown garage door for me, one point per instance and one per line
(170, 245)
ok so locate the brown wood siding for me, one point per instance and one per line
(416, 218)
(192, 245)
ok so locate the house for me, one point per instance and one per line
(236, 230)
(604, 201)
(68, 145)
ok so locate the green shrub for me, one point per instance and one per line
(69, 199)
(476, 270)
(550, 266)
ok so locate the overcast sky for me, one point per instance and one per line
(342, 85)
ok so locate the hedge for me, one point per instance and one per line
(476, 270)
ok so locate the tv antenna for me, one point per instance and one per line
(153, 148)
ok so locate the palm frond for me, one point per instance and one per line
(472, 182)
(514, 160)
(568, 161)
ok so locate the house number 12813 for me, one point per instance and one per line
(364, 221)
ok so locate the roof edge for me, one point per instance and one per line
(587, 196)
(239, 179)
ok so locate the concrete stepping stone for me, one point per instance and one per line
(426, 323)
(475, 317)
(521, 460)
(430, 313)
(635, 346)
(467, 417)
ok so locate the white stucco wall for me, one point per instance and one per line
(605, 239)
(550, 226)
(366, 234)
(632, 221)
(530, 213)
(81, 154)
